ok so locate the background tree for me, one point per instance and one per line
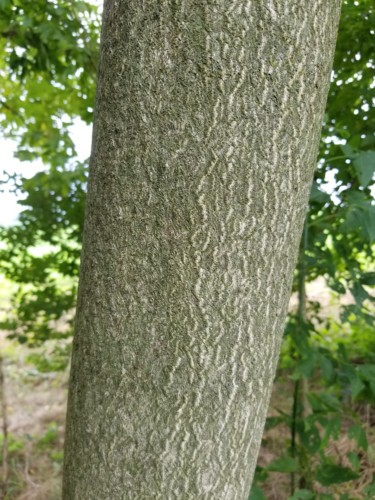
(49, 49)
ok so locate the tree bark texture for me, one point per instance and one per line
(207, 124)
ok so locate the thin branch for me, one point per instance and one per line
(12, 110)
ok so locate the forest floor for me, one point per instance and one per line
(36, 405)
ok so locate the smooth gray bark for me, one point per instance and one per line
(207, 123)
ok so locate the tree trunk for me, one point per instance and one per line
(207, 123)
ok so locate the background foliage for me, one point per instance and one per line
(48, 54)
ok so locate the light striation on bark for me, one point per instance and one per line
(207, 123)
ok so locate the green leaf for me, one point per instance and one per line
(256, 493)
(332, 428)
(302, 495)
(371, 454)
(359, 293)
(364, 164)
(311, 439)
(305, 367)
(370, 490)
(357, 432)
(368, 279)
(356, 385)
(317, 195)
(272, 422)
(326, 366)
(283, 464)
(4, 4)
(355, 381)
(334, 474)
(360, 216)
(329, 401)
(354, 460)
(336, 285)
(348, 151)
(367, 371)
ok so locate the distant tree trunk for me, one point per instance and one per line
(207, 124)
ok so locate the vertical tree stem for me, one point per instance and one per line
(299, 385)
(294, 431)
(4, 413)
(207, 124)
